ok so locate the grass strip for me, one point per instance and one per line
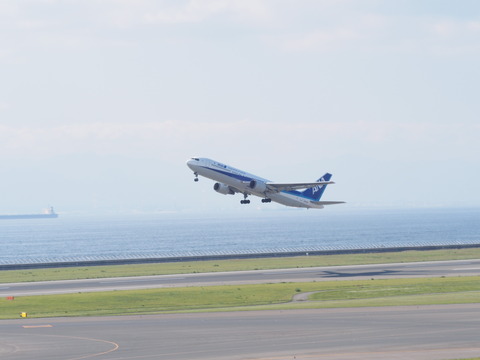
(94, 272)
(418, 291)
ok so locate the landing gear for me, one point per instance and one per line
(266, 200)
(196, 176)
(245, 201)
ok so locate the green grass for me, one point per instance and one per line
(8, 276)
(249, 297)
(399, 287)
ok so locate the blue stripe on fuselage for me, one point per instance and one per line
(229, 174)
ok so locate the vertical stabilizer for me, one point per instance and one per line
(315, 193)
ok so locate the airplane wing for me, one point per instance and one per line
(277, 187)
(235, 190)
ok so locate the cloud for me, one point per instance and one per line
(3, 105)
(192, 11)
(321, 40)
(446, 28)
(196, 11)
(368, 29)
(324, 26)
(451, 36)
(473, 26)
(173, 141)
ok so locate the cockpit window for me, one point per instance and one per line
(196, 159)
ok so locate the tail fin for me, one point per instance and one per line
(315, 193)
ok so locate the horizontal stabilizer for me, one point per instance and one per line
(328, 202)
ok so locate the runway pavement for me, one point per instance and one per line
(416, 332)
(358, 272)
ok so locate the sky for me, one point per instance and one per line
(102, 102)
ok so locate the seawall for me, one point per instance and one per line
(226, 257)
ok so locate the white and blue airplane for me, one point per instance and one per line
(231, 181)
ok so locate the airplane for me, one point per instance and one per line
(231, 181)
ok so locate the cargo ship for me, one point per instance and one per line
(47, 214)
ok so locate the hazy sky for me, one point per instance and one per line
(103, 101)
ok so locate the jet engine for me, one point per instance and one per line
(223, 189)
(258, 186)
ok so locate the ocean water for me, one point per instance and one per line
(76, 238)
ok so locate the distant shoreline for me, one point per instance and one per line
(228, 257)
(28, 216)
(47, 214)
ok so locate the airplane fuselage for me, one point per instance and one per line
(231, 180)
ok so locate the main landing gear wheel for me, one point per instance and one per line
(266, 200)
(245, 201)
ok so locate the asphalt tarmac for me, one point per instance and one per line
(352, 272)
(423, 332)
(415, 332)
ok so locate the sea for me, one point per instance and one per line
(72, 238)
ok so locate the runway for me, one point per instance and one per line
(415, 332)
(351, 272)
(423, 332)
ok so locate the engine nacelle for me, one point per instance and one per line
(258, 186)
(223, 189)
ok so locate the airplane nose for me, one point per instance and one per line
(192, 163)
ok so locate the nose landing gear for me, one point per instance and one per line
(196, 176)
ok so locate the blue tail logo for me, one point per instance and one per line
(316, 192)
